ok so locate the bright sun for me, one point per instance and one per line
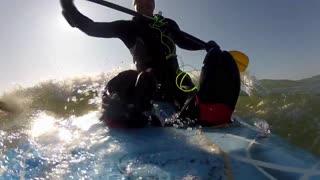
(63, 25)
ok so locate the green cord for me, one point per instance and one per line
(172, 53)
(156, 25)
(180, 86)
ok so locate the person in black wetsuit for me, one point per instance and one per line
(152, 44)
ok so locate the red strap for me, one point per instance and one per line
(215, 114)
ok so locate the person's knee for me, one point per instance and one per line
(145, 89)
(220, 80)
(146, 79)
(123, 83)
(213, 56)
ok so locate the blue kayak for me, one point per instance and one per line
(83, 148)
(254, 154)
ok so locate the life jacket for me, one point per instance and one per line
(154, 48)
(154, 44)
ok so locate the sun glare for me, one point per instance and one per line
(63, 25)
(86, 122)
(65, 135)
(42, 124)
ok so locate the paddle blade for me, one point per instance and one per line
(241, 59)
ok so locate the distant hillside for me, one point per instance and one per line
(308, 85)
(313, 79)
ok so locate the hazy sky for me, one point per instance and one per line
(281, 37)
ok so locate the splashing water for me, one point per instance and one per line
(294, 116)
(60, 137)
(251, 86)
(50, 147)
(289, 112)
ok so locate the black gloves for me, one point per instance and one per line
(212, 45)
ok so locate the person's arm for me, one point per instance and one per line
(186, 43)
(181, 40)
(116, 29)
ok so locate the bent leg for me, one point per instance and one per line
(118, 94)
(219, 80)
(123, 85)
(219, 88)
(126, 97)
(218, 93)
(144, 91)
